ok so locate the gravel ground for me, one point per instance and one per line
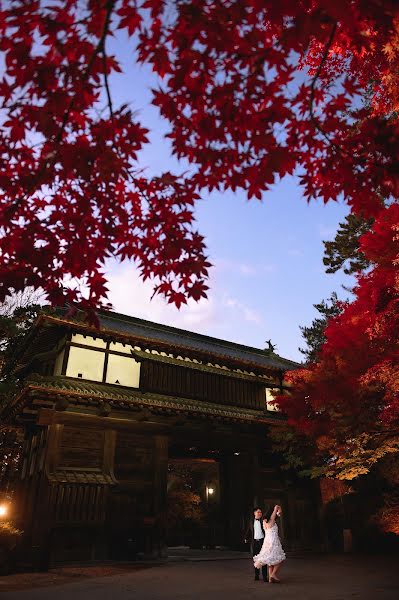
(312, 578)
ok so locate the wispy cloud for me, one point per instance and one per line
(221, 314)
(131, 296)
(244, 268)
(326, 232)
(295, 252)
(246, 312)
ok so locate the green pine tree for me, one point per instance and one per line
(343, 251)
(314, 334)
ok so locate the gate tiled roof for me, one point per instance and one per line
(179, 337)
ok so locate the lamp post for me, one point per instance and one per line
(209, 492)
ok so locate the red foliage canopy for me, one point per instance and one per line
(242, 114)
(253, 90)
(71, 190)
(348, 402)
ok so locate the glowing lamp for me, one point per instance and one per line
(3, 510)
(211, 491)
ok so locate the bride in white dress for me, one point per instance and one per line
(271, 553)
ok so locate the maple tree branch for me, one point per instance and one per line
(313, 118)
(107, 88)
(109, 5)
(387, 432)
(111, 108)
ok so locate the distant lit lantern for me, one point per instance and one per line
(3, 510)
(210, 491)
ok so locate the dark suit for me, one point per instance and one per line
(256, 546)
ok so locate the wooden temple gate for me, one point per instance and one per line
(106, 411)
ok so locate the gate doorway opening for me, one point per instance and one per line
(194, 511)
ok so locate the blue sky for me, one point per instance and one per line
(267, 255)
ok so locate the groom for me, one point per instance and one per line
(255, 534)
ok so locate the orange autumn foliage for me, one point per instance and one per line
(348, 401)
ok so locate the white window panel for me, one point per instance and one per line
(123, 370)
(85, 364)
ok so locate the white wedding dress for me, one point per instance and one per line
(271, 552)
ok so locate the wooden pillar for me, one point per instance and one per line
(160, 495)
(34, 515)
(239, 492)
(256, 479)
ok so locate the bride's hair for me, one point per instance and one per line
(268, 513)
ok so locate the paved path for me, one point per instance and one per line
(319, 578)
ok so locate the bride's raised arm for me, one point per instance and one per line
(272, 519)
